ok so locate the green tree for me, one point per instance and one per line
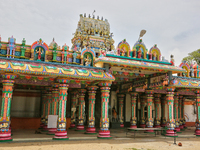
(193, 57)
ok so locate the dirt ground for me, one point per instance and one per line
(111, 144)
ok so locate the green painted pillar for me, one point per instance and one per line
(170, 111)
(74, 96)
(163, 118)
(121, 109)
(197, 131)
(142, 106)
(176, 117)
(133, 120)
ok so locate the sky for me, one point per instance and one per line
(174, 25)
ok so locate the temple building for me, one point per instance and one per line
(94, 86)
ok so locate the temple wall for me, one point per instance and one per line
(190, 114)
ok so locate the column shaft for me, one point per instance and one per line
(74, 95)
(133, 120)
(180, 112)
(163, 118)
(183, 112)
(61, 133)
(197, 131)
(91, 110)
(81, 110)
(121, 109)
(170, 111)
(157, 110)
(176, 117)
(142, 106)
(149, 123)
(7, 91)
(104, 131)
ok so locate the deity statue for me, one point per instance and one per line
(74, 57)
(172, 60)
(123, 51)
(139, 54)
(88, 61)
(154, 56)
(39, 52)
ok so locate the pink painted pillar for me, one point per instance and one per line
(61, 133)
(157, 110)
(170, 112)
(7, 91)
(81, 110)
(133, 120)
(176, 98)
(197, 131)
(104, 131)
(183, 112)
(121, 109)
(91, 110)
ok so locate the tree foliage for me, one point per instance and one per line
(193, 57)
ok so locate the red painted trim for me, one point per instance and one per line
(25, 94)
(190, 124)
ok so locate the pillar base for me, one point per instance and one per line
(52, 131)
(45, 129)
(149, 131)
(181, 127)
(61, 135)
(184, 126)
(133, 126)
(121, 125)
(157, 126)
(178, 130)
(90, 130)
(163, 125)
(72, 126)
(142, 125)
(41, 126)
(197, 132)
(80, 128)
(5, 136)
(170, 133)
(104, 134)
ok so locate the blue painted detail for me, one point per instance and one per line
(17, 53)
(58, 58)
(78, 61)
(3, 52)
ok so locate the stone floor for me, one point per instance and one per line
(29, 135)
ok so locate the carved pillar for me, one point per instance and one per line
(142, 106)
(73, 109)
(170, 111)
(157, 111)
(197, 131)
(43, 110)
(180, 112)
(91, 110)
(149, 123)
(48, 107)
(176, 99)
(183, 112)
(7, 91)
(54, 105)
(81, 110)
(104, 131)
(121, 107)
(163, 118)
(133, 120)
(61, 133)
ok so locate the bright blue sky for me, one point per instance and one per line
(174, 25)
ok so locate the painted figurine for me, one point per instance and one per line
(39, 52)
(88, 61)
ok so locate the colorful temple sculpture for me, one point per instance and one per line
(93, 86)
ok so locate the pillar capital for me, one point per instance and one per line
(170, 89)
(82, 92)
(63, 80)
(105, 83)
(133, 94)
(9, 76)
(55, 85)
(120, 95)
(92, 88)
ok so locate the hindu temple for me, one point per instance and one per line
(94, 86)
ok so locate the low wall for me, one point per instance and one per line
(30, 123)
